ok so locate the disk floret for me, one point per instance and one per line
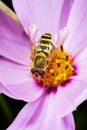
(58, 71)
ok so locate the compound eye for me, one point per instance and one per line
(33, 70)
(41, 73)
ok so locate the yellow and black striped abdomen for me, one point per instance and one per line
(45, 44)
(46, 38)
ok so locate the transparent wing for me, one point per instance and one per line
(58, 41)
(33, 34)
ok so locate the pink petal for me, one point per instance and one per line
(27, 91)
(13, 73)
(0, 87)
(49, 15)
(25, 116)
(17, 82)
(41, 115)
(77, 23)
(13, 40)
(71, 95)
(75, 91)
(81, 62)
(7, 92)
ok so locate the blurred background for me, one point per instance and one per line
(9, 108)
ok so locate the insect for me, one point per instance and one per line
(45, 50)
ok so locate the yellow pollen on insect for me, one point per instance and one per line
(58, 70)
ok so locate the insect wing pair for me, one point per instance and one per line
(34, 40)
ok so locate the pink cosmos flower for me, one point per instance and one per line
(33, 115)
(45, 110)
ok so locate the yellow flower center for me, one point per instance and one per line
(58, 70)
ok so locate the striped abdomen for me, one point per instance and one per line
(45, 44)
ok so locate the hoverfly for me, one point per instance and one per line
(45, 49)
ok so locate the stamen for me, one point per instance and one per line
(58, 64)
(66, 67)
(66, 58)
(58, 71)
(61, 48)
